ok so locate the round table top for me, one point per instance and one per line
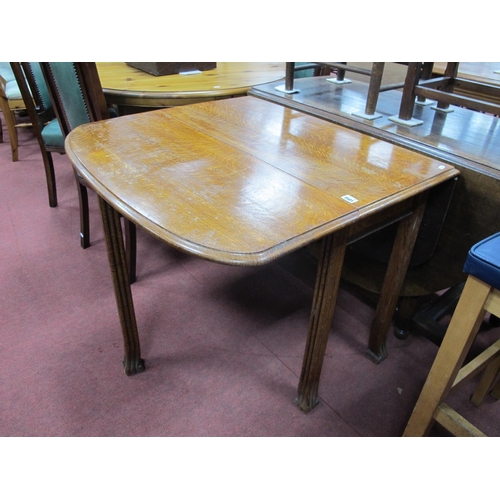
(127, 86)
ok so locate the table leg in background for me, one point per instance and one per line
(325, 297)
(393, 281)
(132, 361)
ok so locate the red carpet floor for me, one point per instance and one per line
(223, 345)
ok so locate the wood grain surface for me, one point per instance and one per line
(243, 181)
(127, 86)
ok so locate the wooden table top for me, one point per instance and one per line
(125, 85)
(464, 137)
(243, 181)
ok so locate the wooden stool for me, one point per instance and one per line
(481, 294)
(419, 84)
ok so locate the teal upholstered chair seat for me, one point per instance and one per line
(6, 72)
(35, 94)
(12, 90)
(52, 135)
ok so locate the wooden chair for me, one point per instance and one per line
(10, 103)
(46, 128)
(419, 84)
(481, 294)
(76, 94)
(324, 68)
(301, 70)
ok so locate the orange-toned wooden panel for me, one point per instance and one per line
(328, 156)
(243, 181)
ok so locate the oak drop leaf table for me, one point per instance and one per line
(244, 181)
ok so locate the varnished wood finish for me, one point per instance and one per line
(408, 96)
(486, 384)
(466, 139)
(247, 172)
(85, 80)
(395, 275)
(8, 107)
(66, 82)
(39, 116)
(374, 88)
(483, 72)
(443, 89)
(244, 181)
(374, 76)
(455, 423)
(448, 370)
(325, 297)
(132, 361)
(130, 87)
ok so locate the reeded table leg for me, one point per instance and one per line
(393, 281)
(325, 297)
(132, 361)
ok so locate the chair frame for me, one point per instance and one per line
(38, 115)
(324, 68)
(9, 107)
(97, 109)
(441, 89)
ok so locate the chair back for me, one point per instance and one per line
(36, 82)
(76, 93)
(34, 93)
(45, 126)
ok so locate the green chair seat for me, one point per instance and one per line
(52, 134)
(6, 72)
(12, 91)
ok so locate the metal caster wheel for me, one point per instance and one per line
(401, 333)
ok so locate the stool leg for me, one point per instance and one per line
(289, 76)
(486, 382)
(408, 96)
(496, 391)
(456, 344)
(374, 87)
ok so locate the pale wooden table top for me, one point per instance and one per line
(243, 181)
(125, 85)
